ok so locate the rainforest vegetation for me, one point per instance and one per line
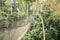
(17, 10)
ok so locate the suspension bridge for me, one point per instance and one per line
(19, 28)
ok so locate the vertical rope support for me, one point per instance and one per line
(11, 6)
(43, 29)
(1, 4)
(27, 10)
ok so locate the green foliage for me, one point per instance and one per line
(17, 14)
(51, 21)
(51, 18)
(52, 30)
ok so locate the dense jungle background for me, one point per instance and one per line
(13, 11)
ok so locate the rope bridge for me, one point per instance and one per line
(14, 26)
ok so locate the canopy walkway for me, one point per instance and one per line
(17, 29)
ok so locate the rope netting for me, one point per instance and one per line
(15, 13)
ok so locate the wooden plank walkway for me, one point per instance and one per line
(15, 33)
